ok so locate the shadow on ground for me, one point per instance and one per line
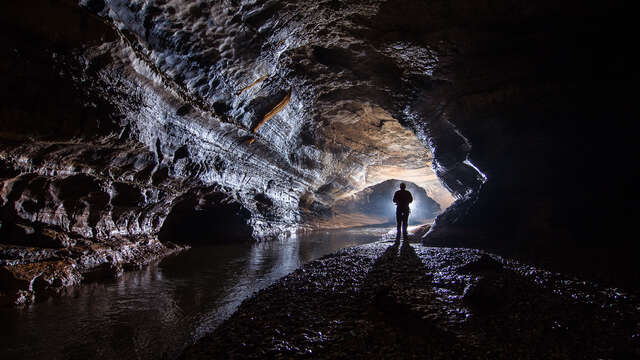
(396, 300)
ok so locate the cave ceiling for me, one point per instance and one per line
(241, 60)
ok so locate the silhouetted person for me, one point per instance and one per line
(402, 198)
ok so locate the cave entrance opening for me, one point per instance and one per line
(206, 216)
(373, 206)
(370, 153)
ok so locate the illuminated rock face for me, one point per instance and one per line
(116, 112)
(159, 100)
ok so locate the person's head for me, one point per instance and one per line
(403, 186)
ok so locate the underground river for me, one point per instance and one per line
(156, 312)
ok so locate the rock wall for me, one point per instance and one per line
(540, 96)
(99, 147)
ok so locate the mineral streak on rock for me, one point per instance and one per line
(271, 114)
(259, 80)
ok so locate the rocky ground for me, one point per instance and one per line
(400, 300)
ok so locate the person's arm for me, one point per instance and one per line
(410, 197)
(395, 197)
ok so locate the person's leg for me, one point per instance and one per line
(405, 221)
(398, 223)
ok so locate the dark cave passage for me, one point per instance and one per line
(206, 217)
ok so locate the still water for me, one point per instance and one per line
(155, 312)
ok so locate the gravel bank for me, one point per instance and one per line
(403, 301)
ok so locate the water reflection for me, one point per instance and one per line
(154, 313)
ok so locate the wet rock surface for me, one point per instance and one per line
(29, 274)
(392, 300)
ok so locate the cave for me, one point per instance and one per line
(220, 174)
